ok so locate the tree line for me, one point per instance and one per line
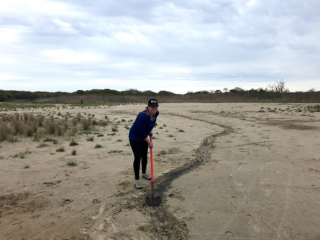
(277, 92)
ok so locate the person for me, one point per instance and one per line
(139, 139)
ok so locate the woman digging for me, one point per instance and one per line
(139, 138)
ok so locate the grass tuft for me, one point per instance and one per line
(60, 149)
(73, 143)
(72, 164)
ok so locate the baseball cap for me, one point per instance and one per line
(153, 103)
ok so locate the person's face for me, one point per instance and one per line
(153, 110)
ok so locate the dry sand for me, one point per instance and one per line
(258, 179)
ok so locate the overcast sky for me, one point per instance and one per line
(178, 45)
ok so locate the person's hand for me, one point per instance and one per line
(151, 134)
(150, 145)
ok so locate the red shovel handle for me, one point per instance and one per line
(151, 157)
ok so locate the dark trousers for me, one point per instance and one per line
(140, 151)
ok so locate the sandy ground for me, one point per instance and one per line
(259, 178)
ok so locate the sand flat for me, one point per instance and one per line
(258, 180)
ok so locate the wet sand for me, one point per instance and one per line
(258, 178)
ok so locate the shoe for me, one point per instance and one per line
(146, 176)
(138, 185)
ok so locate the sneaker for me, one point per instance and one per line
(146, 176)
(138, 185)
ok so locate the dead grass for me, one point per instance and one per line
(31, 125)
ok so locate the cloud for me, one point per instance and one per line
(191, 43)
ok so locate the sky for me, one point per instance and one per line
(177, 45)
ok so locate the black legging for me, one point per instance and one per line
(140, 151)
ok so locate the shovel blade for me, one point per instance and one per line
(153, 200)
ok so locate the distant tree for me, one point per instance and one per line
(279, 86)
(165, 93)
(79, 92)
(237, 89)
(312, 90)
(148, 92)
(218, 91)
(132, 91)
(225, 90)
(202, 92)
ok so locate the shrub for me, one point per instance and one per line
(90, 139)
(51, 140)
(72, 164)
(98, 146)
(73, 143)
(74, 152)
(4, 132)
(60, 149)
(43, 145)
(86, 124)
(26, 166)
(13, 140)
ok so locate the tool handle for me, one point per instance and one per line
(151, 159)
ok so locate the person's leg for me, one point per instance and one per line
(144, 155)
(136, 149)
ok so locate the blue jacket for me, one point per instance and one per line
(142, 126)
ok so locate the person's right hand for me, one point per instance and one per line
(150, 145)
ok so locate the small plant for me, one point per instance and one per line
(164, 125)
(72, 164)
(123, 120)
(13, 140)
(51, 140)
(60, 149)
(161, 127)
(119, 140)
(112, 134)
(181, 130)
(115, 151)
(114, 129)
(100, 135)
(42, 145)
(73, 143)
(98, 146)
(74, 152)
(36, 137)
(170, 135)
(26, 166)
(90, 139)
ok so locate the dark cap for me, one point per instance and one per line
(153, 103)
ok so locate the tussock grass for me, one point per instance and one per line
(60, 149)
(90, 139)
(54, 141)
(72, 164)
(74, 152)
(98, 146)
(73, 143)
(42, 145)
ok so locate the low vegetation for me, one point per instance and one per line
(39, 125)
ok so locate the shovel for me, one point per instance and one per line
(152, 201)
